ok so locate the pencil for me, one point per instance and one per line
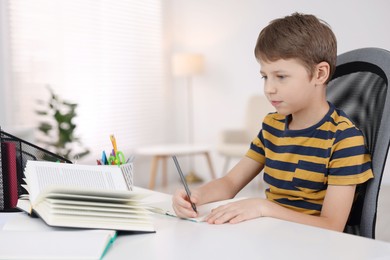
(183, 180)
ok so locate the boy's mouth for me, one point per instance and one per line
(276, 103)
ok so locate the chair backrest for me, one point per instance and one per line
(360, 88)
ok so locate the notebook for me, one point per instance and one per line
(24, 237)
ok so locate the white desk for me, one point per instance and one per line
(163, 152)
(263, 238)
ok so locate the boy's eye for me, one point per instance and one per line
(264, 77)
(281, 76)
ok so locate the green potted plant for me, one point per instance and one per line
(57, 127)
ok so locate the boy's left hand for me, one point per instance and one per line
(236, 212)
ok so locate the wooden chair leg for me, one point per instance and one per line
(164, 172)
(210, 165)
(153, 172)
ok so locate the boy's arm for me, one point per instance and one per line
(229, 185)
(334, 215)
(223, 188)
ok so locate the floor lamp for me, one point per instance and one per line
(188, 65)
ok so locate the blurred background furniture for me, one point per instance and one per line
(234, 143)
(188, 65)
(164, 152)
(360, 88)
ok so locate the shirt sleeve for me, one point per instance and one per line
(256, 149)
(350, 161)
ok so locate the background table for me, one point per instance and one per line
(163, 152)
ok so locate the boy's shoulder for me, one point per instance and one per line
(341, 125)
(341, 119)
(274, 118)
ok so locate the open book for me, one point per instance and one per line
(84, 196)
(165, 207)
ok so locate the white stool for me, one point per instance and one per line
(162, 152)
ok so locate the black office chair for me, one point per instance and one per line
(360, 88)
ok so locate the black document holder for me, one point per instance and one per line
(24, 151)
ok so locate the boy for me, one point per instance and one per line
(312, 155)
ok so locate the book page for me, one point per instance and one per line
(24, 204)
(41, 174)
(203, 210)
(84, 208)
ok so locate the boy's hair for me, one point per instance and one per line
(298, 36)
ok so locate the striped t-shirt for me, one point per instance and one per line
(299, 164)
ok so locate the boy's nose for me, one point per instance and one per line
(269, 88)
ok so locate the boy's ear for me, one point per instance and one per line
(322, 72)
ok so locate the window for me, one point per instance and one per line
(107, 56)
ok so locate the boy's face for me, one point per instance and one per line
(288, 86)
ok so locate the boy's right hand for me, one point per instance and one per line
(182, 206)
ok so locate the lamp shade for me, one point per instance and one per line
(187, 64)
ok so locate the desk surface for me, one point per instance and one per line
(263, 238)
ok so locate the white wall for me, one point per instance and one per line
(225, 31)
(3, 78)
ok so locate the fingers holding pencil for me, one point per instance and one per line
(181, 203)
